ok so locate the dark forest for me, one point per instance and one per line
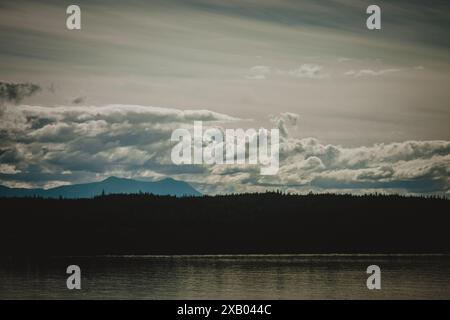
(265, 223)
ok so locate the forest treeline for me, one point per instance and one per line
(247, 223)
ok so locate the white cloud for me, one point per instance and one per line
(259, 72)
(285, 120)
(304, 71)
(41, 143)
(309, 71)
(8, 169)
(43, 146)
(370, 72)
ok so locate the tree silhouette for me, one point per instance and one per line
(240, 223)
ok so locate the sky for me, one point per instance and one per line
(362, 110)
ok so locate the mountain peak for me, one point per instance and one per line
(113, 178)
(110, 185)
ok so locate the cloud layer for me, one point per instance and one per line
(47, 146)
(246, 58)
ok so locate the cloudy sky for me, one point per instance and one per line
(362, 110)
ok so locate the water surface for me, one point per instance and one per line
(228, 277)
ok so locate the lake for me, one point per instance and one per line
(228, 277)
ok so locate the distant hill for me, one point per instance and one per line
(111, 185)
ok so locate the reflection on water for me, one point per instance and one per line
(228, 277)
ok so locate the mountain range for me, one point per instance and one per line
(111, 185)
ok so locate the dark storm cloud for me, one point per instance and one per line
(79, 100)
(16, 92)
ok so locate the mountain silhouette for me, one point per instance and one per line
(111, 185)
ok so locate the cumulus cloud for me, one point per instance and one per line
(259, 72)
(410, 166)
(309, 71)
(304, 71)
(42, 142)
(284, 121)
(8, 169)
(370, 72)
(45, 146)
(16, 92)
